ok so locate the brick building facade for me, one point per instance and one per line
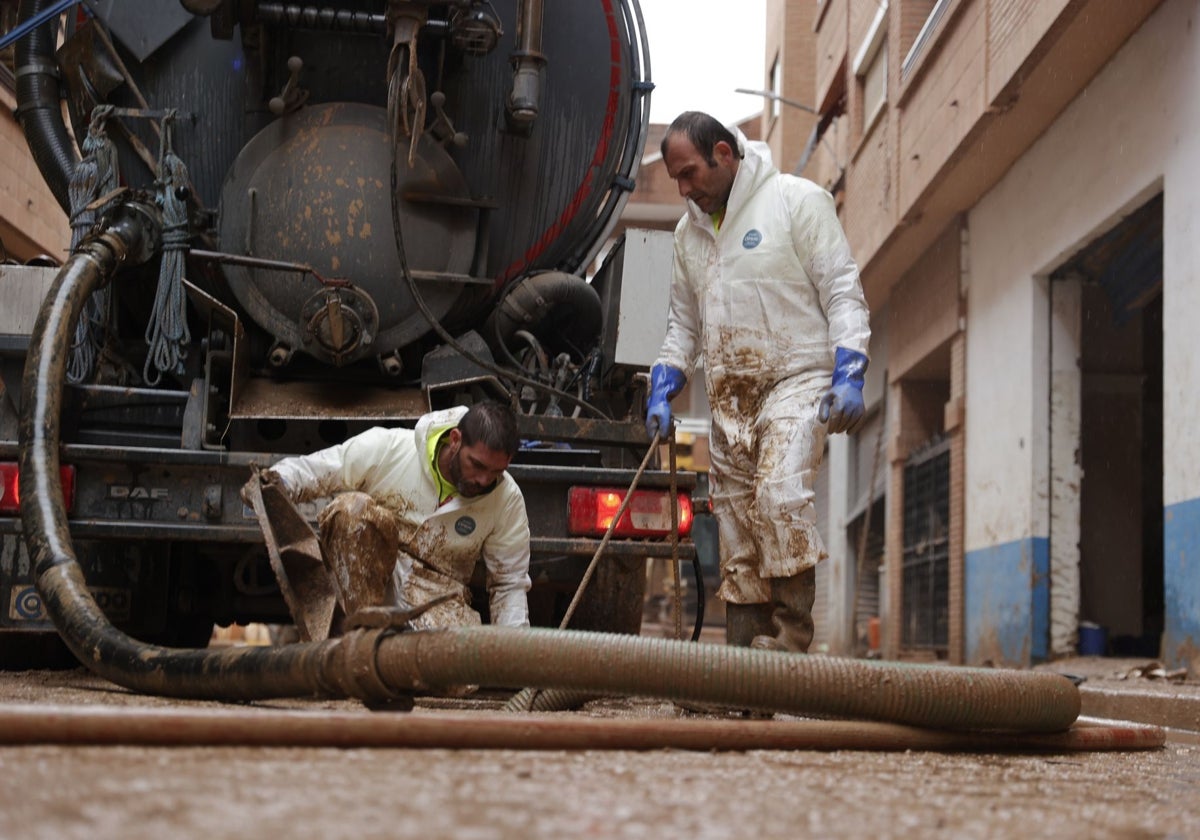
(1005, 171)
(1016, 181)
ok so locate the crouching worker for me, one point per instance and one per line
(412, 511)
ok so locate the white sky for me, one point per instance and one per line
(700, 51)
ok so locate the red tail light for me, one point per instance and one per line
(10, 488)
(592, 510)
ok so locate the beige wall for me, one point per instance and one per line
(989, 79)
(831, 53)
(791, 40)
(925, 310)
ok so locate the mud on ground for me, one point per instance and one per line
(136, 792)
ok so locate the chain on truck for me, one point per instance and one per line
(351, 213)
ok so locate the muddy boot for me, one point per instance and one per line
(743, 622)
(791, 618)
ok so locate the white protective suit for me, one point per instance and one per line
(439, 545)
(765, 300)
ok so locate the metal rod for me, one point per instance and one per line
(250, 262)
(675, 576)
(425, 729)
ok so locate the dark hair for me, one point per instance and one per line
(704, 132)
(493, 424)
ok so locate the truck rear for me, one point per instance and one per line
(349, 219)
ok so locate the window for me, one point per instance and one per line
(874, 87)
(870, 70)
(931, 13)
(925, 596)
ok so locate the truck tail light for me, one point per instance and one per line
(10, 488)
(592, 509)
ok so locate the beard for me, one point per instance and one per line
(466, 489)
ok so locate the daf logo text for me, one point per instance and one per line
(119, 491)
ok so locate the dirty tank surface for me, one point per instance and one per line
(136, 792)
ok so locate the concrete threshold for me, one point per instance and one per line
(1157, 705)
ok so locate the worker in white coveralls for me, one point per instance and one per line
(427, 503)
(765, 291)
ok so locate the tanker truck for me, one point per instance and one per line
(292, 222)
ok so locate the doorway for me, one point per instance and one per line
(1120, 438)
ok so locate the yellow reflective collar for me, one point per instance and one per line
(445, 489)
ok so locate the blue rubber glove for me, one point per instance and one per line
(842, 406)
(665, 383)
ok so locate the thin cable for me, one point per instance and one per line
(95, 176)
(167, 333)
(23, 29)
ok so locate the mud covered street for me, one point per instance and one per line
(138, 792)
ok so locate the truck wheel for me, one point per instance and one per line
(614, 600)
(35, 650)
(187, 617)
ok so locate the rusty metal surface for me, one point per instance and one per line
(298, 400)
(76, 453)
(315, 189)
(592, 476)
(584, 429)
(615, 548)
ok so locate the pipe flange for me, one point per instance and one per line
(337, 321)
(354, 669)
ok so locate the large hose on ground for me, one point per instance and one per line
(379, 666)
(949, 698)
(38, 107)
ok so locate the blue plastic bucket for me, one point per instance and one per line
(1093, 639)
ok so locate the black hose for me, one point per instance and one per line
(128, 235)
(700, 596)
(571, 300)
(39, 109)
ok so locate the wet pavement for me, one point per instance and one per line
(1135, 690)
(135, 792)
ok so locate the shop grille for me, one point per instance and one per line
(925, 601)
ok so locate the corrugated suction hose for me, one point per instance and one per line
(922, 695)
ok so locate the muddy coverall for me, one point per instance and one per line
(764, 301)
(385, 501)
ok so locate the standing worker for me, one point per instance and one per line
(765, 290)
(413, 510)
